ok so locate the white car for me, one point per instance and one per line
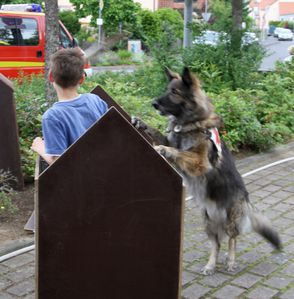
(285, 34)
(208, 37)
(277, 30)
(249, 38)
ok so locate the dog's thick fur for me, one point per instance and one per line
(209, 174)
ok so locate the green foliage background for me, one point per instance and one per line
(255, 118)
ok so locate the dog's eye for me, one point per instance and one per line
(174, 91)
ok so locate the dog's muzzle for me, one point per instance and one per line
(155, 104)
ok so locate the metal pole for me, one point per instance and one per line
(188, 10)
(99, 28)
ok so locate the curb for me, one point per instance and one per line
(16, 245)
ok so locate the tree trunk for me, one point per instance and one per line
(237, 13)
(52, 44)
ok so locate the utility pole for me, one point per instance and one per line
(188, 10)
(100, 21)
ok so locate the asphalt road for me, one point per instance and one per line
(276, 51)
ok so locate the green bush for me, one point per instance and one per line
(70, 21)
(30, 105)
(219, 68)
(6, 192)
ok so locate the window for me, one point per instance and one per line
(65, 41)
(18, 32)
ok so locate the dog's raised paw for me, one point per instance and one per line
(137, 123)
(160, 149)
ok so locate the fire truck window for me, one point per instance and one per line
(18, 32)
(65, 41)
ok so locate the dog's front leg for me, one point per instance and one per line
(209, 268)
(193, 163)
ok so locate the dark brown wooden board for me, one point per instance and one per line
(109, 219)
(9, 144)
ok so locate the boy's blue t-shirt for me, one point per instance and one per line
(66, 121)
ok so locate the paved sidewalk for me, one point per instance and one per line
(262, 272)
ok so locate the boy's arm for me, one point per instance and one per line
(38, 146)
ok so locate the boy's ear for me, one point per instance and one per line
(82, 79)
(51, 79)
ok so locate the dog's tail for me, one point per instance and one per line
(262, 226)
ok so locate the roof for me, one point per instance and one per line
(286, 8)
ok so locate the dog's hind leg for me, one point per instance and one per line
(231, 255)
(209, 268)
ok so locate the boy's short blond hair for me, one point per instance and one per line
(67, 67)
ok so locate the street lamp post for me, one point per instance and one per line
(100, 21)
(188, 10)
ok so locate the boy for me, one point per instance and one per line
(73, 114)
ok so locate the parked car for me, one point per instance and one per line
(285, 34)
(277, 30)
(208, 37)
(212, 38)
(249, 38)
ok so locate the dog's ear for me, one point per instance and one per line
(171, 75)
(188, 78)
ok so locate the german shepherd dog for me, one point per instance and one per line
(193, 147)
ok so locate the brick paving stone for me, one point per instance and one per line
(278, 282)
(21, 273)
(271, 214)
(4, 283)
(187, 277)
(290, 201)
(272, 188)
(22, 288)
(282, 182)
(289, 270)
(264, 269)
(228, 292)
(289, 248)
(252, 187)
(246, 280)
(3, 269)
(262, 293)
(263, 181)
(290, 214)
(289, 189)
(215, 280)
(289, 231)
(250, 257)
(261, 193)
(282, 223)
(194, 255)
(195, 291)
(282, 207)
(286, 237)
(280, 258)
(264, 247)
(19, 261)
(4, 295)
(262, 206)
(271, 200)
(289, 294)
